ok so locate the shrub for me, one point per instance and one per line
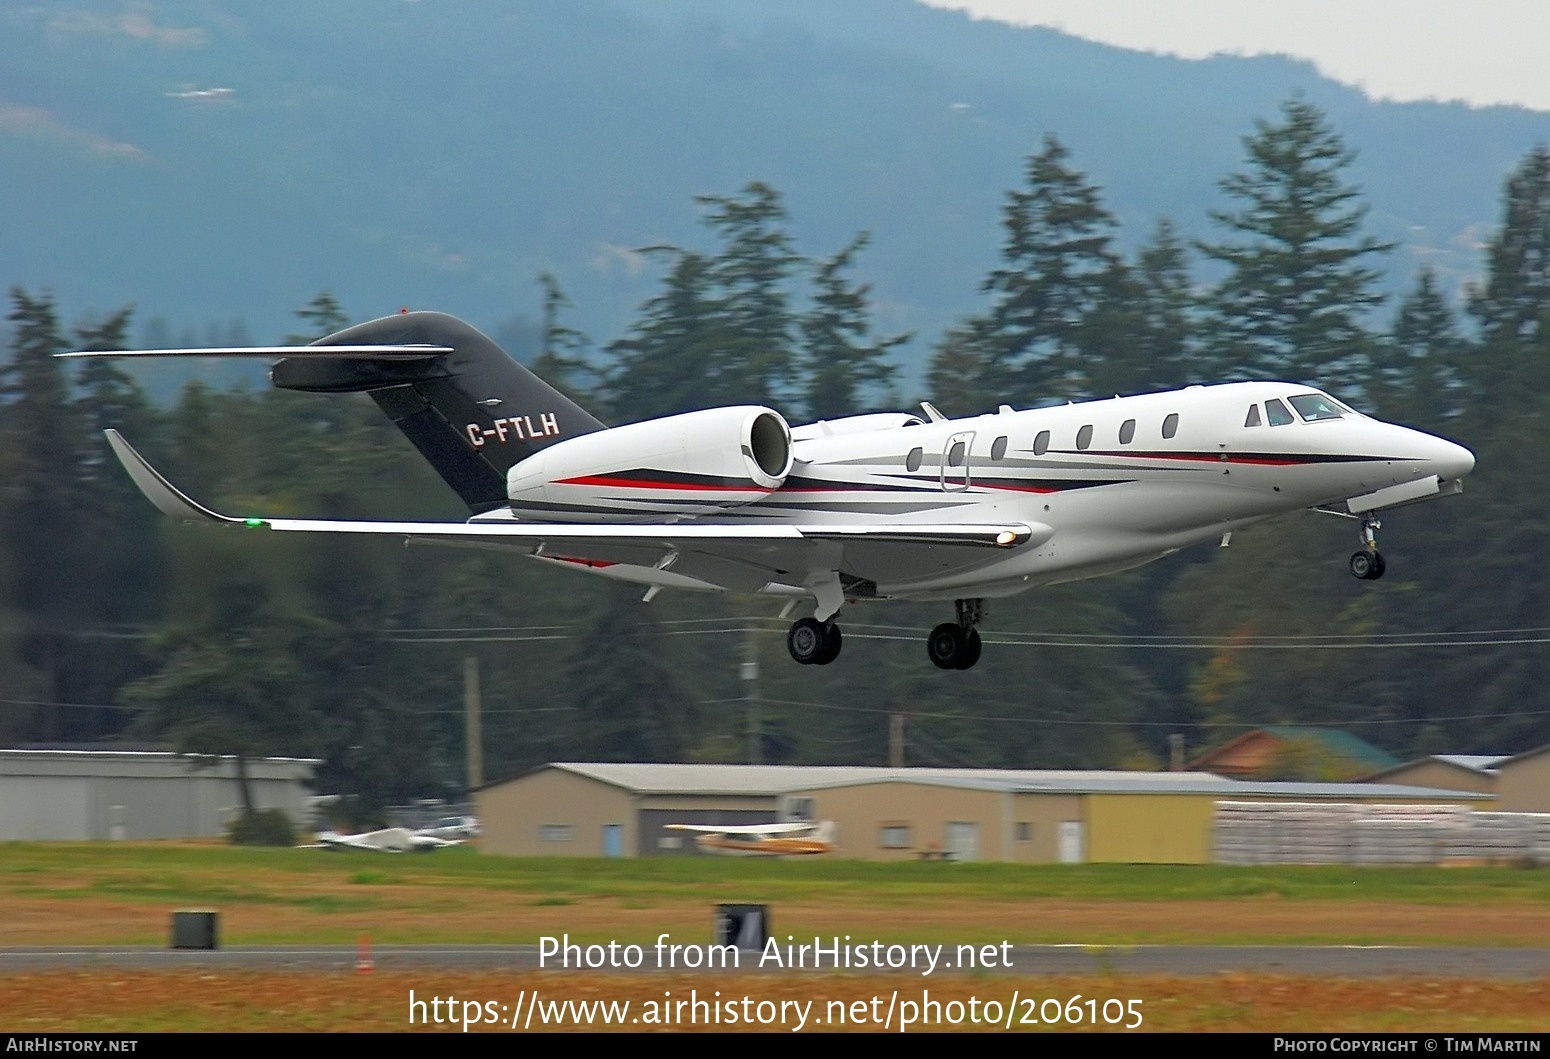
(264, 827)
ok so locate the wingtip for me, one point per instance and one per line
(167, 497)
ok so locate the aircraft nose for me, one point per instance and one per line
(1452, 460)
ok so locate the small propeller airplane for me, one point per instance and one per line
(387, 840)
(866, 507)
(762, 840)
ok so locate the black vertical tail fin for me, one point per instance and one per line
(473, 412)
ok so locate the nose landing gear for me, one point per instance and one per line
(1368, 564)
(956, 645)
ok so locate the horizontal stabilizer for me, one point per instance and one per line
(348, 352)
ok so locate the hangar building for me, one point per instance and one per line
(1520, 783)
(119, 794)
(1019, 815)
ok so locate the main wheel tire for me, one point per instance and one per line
(806, 641)
(971, 650)
(1364, 565)
(832, 642)
(946, 645)
(1377, 571)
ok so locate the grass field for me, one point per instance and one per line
(58, 894)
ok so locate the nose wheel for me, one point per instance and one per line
(956, 645)
(813, 642)
(1368, 564)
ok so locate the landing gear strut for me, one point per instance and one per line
(1368, 564)
(813, 642)
(956, 645)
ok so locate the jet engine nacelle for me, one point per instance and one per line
(689, 464)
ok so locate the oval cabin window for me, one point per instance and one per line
(1127, 432)
(1171, 425)
(913, 460)
(1041, 443)
(1084, 437)
(998, 448)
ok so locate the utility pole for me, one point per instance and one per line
(750, 674)
(475, 746)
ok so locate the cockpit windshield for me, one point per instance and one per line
(1315, 406)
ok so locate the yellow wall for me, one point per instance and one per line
(1150, 828)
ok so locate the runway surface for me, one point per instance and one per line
(1337, 961)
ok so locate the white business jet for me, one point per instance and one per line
(877, 506)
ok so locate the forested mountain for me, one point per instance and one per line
(832, 208)
(212, 163)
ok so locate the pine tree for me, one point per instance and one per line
(323, 316)
(1167, 310)
(562, 360)
(1515, 299)
(1419, 376)
(666, 364)
(1038, 338)
(840, 361)
(40, 489)
(755, 359)
(1298, 281)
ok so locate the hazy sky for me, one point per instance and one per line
(1479, 51)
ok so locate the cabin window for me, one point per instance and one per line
(998, 448)
(1084, 437)
(1253, 416)
(1127, 432)
(1276, 412)
(955, 454)
(913, 460)
(894, 836)
(1315, 406)
(1171, 425)
(1041, 443)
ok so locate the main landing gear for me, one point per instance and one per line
(956, 645)
(1368, 564)
(813, 642)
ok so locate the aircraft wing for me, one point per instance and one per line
(742, 829)
(742, 556)
(388, 840)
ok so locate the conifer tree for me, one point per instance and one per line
(841, 363)
(1298, 274)
(755, 358)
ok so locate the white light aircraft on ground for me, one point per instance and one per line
(877, 506)
(387, 840)
(762, 840)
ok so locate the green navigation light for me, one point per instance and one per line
(253, 522)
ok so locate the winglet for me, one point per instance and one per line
(166, 496)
